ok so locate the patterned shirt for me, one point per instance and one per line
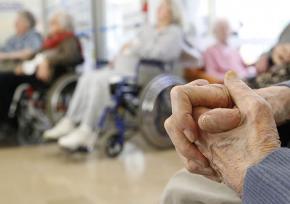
(30, 40)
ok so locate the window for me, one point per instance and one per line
(258, 23)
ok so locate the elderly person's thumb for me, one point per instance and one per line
(224, 119)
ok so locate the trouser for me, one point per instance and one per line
(8, 84)
(8, 66)
(187, 188)
(92, 94)
(90, 98)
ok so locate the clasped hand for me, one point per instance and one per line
(220, 131)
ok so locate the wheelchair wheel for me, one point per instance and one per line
(155, 108)
(59, 97)
(31, 124)
(110, 145)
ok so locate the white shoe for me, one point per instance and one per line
(62, 128)
(82, 137)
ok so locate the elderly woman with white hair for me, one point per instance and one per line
(161, 42)
(59, 50)
(222, 56)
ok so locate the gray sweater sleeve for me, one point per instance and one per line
(269, 181)
(285, 83)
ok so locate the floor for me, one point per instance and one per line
(47, 175)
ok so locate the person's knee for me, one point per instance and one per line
(187, 188)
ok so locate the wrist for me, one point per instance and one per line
(233, 173)
(279, 99)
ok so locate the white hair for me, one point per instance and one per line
(220, 22)
(65, 20)
(176, 14)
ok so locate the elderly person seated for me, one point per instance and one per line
(222, 57)
(277, 54)
(242, 151)
(60, 49)
(22, 45)
(92, 95)
(274, 66)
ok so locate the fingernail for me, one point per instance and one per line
(231, 75)
(204, 121)
(189, 135)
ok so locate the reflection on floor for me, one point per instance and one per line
(46, 175)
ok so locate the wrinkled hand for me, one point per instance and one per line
(43, 71)
(281, 54)
(182, 128)
(232, 152)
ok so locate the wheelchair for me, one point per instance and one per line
(138, 106)
(36, 109)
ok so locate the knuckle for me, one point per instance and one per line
(168, 124)
(186, 150)
(175, 91)
(259, 107)
(191, 167)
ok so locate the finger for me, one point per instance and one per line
(193, 165)
(184, 147)
(184, 120)
(183, 98)
(182, 113)
(241, 94)
(219, 120)
(199, 82)
(211, 96)
(195, 168)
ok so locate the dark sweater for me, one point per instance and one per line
(269, 181)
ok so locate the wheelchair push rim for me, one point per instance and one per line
(155, 108)
(59, 97)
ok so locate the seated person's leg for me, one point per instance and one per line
(8, 84)
(75, 112)
(98, 97)
(187, 188)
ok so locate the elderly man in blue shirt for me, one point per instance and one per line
(22, 45)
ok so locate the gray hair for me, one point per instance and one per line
(219, 22)
(65, 20)
(175, 12)
(29, 17)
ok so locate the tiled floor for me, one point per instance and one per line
(46, 175)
